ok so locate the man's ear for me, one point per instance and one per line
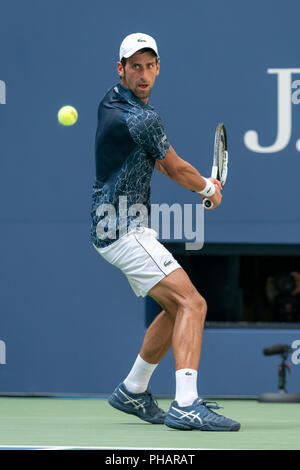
(158, 67)
(120, 69)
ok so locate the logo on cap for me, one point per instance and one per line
(141, 40)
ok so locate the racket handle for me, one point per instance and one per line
(207, 203)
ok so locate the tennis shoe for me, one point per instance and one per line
(142, 405)
(199, 416)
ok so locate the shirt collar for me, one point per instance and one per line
(131, 98)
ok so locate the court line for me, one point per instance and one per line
(25, 447)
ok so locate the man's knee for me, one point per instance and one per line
(193, 304)
(177, 294)
(197, 305)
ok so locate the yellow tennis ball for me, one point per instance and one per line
(67, 116)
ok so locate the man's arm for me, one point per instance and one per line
(184, 174)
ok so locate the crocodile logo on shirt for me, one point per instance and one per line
(167, 263)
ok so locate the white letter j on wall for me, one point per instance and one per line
(284, 115)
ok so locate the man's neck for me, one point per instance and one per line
(144, 100)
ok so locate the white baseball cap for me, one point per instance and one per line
(134, 42)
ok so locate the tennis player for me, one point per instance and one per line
(130, 143)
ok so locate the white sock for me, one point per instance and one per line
(186, 386)
(139, 376)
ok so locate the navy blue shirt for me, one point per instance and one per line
(129, 138)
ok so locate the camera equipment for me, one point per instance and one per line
(286, 305)
(282, 396)
(277, 349)
(284, 283)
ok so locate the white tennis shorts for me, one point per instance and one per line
(142, 258)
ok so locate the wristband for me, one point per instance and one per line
(209, 189)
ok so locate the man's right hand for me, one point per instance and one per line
(216, 198)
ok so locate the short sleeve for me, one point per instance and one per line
(146, 129)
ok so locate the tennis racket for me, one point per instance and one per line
(220, 160)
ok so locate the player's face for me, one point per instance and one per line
(139, 74)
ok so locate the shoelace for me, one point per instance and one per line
(153, 403)
(210, 404)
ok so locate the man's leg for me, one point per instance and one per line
(133, 395)
(158, 338)
(177, 295)
(157, 342)
(179, 325)
(186, 310)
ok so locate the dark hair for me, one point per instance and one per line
(141, 51)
